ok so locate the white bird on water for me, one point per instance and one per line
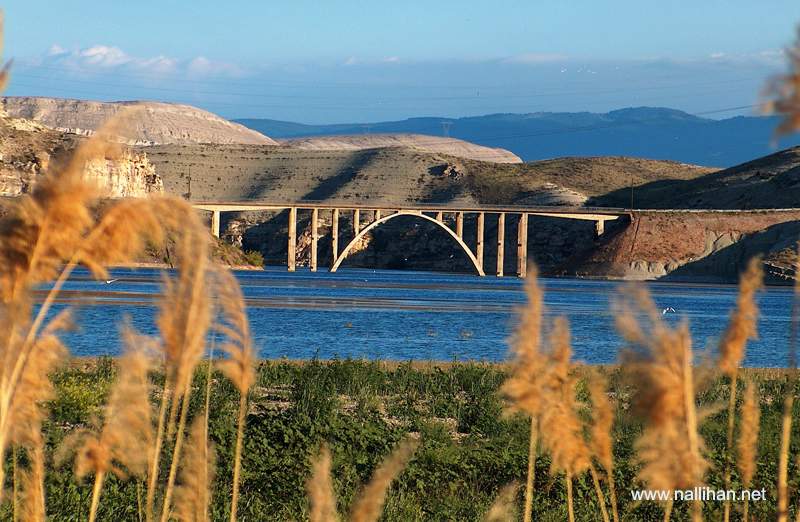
(667, 310)
(109, 281)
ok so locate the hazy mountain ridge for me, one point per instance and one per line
(645, 132)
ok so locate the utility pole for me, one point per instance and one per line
(446, 128)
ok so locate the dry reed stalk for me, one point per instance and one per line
(748, 440)
(742, 327)
(369, 504)
(564, 437)
(788, 400)
(660, 365)
(599, 491)
(785, 91)
(783, 459)
(192, 496)
(502, 509)
(601, 444)
(183, 322)
(523, 387)
(321, 496)
(570, 504)
(239, 366)
(32, 506)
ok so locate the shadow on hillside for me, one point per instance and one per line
(328, 187)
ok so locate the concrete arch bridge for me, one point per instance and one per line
(367, 218)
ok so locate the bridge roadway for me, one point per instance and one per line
(381, 213)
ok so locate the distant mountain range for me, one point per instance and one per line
(645, 132)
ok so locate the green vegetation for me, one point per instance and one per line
(468, 451)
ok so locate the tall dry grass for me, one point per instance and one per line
(659, 363)
(742, 327)
(748, 441)
(523, 388)
(239, 367)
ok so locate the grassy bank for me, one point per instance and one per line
(468, 451)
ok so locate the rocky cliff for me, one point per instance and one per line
(148, 123)
(28, 149)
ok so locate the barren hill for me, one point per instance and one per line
(394, 175)
(769, 182)
(151, 122)
(420, 142)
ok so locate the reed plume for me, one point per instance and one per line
(564, 437)
(183, 320)
(369, 504)
(321, 496)
(193, 494)
(502, 509)
(748, 440)
(742, 327)
(523, 387)
(659, 362)
(239, 366)
(122, 445)
(785, 93)
(601, 442)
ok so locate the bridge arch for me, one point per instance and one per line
(341, 257)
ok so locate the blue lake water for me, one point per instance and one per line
(402, 315)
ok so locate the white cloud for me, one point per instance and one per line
(351, 61)
(103, 58)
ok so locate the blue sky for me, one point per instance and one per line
(337, 61)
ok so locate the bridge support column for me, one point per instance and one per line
(460, 225)
(377, 215)
(334, 235)
(600, 227)
(314, 239)
(215, 215)
(479, 240)
(291, 258)
(440, 216)
(522, 245)
(501, 242)
(356, 222)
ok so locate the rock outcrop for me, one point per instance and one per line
(148, 123)
(130, 175)
(28, 149)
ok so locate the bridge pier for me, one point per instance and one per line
(314, 239)
(215, 215)
(479, 239)
(501, 242)
(522, 245)
(356, 222)
(377, 215)
(291, 256)
(460, 225)
(600, 227)
(334, 235)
